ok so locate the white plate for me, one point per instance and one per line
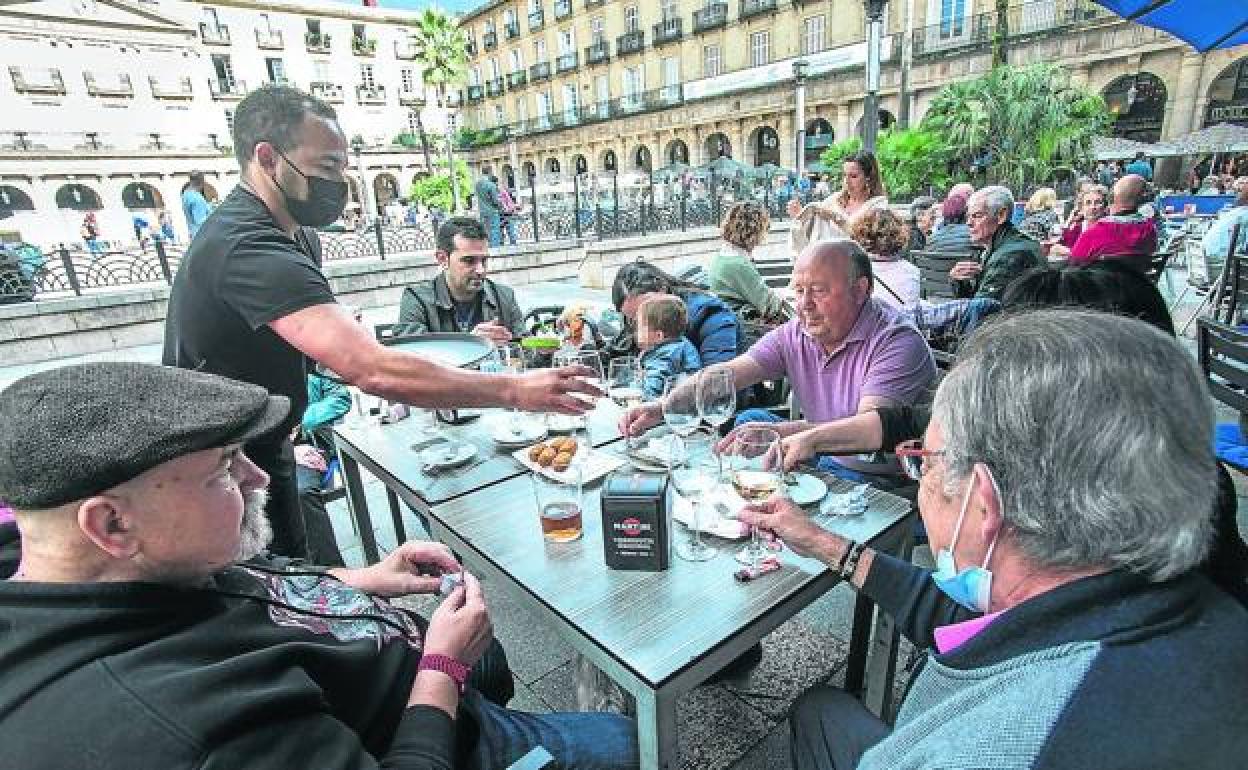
(531, 430)
(808, 490)
(593, 464)
(710, 521)
(436, 457)
(563, 423)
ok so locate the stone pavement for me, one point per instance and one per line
(739, 723)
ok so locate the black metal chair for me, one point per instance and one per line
(934, 267)
(1223, 354)
(776, 273)
(1153, 266)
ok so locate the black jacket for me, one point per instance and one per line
(258, 668)
(427, 307)
(1008, 256)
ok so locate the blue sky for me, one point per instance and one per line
(446, 5)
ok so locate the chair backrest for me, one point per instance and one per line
(934, 267)
(1223, 354)
(1151, 265)
(775, 272)
(1231, 293)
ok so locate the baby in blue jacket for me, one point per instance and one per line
(666, 353)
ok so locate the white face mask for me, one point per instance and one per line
(972, 587)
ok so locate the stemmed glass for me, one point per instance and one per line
(509, 359)
(693, 480)
(624, 385)
(717, 396)
(680, 410)
(754, 462)
(590, 360)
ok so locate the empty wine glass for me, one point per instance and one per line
(717, 396)
(693, 479)
(754, 465)
(508, 359)
(624, 386)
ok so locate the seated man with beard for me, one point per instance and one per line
(131, 637)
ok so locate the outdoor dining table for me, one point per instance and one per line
(655, 634)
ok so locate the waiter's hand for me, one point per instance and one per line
(492, 330)
(552, 390)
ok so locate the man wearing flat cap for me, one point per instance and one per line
(250, 301)
(143, 627)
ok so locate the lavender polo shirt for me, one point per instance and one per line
(883, 355)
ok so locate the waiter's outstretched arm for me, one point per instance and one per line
(327, 334)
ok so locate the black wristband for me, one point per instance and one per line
(851, 563)
(849, 548)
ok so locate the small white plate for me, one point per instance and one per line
(710, 520)
(592, 463)
(807, 491)
(529, 430)
(436, 457)
(564, 423)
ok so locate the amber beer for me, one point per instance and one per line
(559, 504)
(561, 522)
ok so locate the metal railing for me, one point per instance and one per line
(668, 30)
(404, 50)
(80, 142)
(364, 46)
(270, 39)
(494, 87)
(375, 94)
(712, 16)
(566, 62)
(751, 8)
(72, 270)
(184, 90)
(121, 87)
(218, 34)
(630, 42)
(977, 31)
(316, 42)
(221, 88)
(598, 53)
(537, 19)
(517, 79)
(563, 9)
(411, 97)
(326, 90)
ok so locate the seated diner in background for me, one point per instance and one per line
(884, 237)
(712, 326)
(1093, 204)
(733, 276)
(1122, 232)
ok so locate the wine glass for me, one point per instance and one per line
(693, 480)
(680, 405)
(717, 396)
(590, 360)
(624, 385)
(755, 466)
(508, 358)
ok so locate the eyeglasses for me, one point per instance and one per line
(913, 457)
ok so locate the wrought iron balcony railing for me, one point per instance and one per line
(668, 30)
(567, 62)
(316, 42)
(598, 53)
(214, 34)
(270, 39)
(374, 94)
(223, 89)
(752, 8)
(539, 71)
(712, 16)
(537, 19)
(326, 91)
(517, 79)
(494, 87)
(630, 42)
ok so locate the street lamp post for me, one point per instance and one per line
(871, 105)
(799, 80)
(449, 102)
(357, 147)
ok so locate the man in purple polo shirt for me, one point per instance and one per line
(844, 353)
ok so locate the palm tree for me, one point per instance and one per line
(1001, 34)
(441, 51)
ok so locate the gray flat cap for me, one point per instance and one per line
(69, 433)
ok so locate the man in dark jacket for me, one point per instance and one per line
(1007, 252)
(461, 298)
(144, 607)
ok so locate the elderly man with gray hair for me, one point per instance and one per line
(1065, 619)
(1007, 252)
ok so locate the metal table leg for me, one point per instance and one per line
(396, 516)
(656, 730)
(357, 503)
(882, 658)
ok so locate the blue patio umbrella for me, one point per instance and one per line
(1204, 24)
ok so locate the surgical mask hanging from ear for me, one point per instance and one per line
(972, 587)
(324, 204)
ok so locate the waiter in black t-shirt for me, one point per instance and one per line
(250, 301)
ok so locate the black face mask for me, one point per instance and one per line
(325, 202)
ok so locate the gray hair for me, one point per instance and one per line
(995, 199)
(859, 262)
(1098, 431)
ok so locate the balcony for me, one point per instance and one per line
(227, 89)
(270, 39)
(539, 71)
(411, 97)
(511, 30)
(31, 80)
(475, 94)
(566, 62)
(218, 34)
(669, 31)
(1035, 18)
(326, 91)
(563, 9)
(536, 20)
(471, 47)
(598, 53)
(370, 94)
(594, 3)
(819, 142)
(364, 46)
(630, 42)
(517, 79)
(711, 17)
(404, 50)
(751, 8)
(316, 42)
(183, 89)
(494, 87)
(120, 88)
(489, 40)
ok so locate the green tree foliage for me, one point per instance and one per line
(441, 52)
(911, 161)
(1017, 125)
(435, 189)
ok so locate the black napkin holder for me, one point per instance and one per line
(636, 509)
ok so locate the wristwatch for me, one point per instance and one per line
(456, 670)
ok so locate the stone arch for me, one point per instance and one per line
(677, 152)
(580, 164)
(553, 166)
(642, 160)
(819, 136)
(385, 188)
(1138, 105)
(14, 199)
(79, 197)
(717, 145)
(530, 169)
(141, 195)
(507, 175)
(763, 146)
(608, 161)
(1228, 96)
(887, 121)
